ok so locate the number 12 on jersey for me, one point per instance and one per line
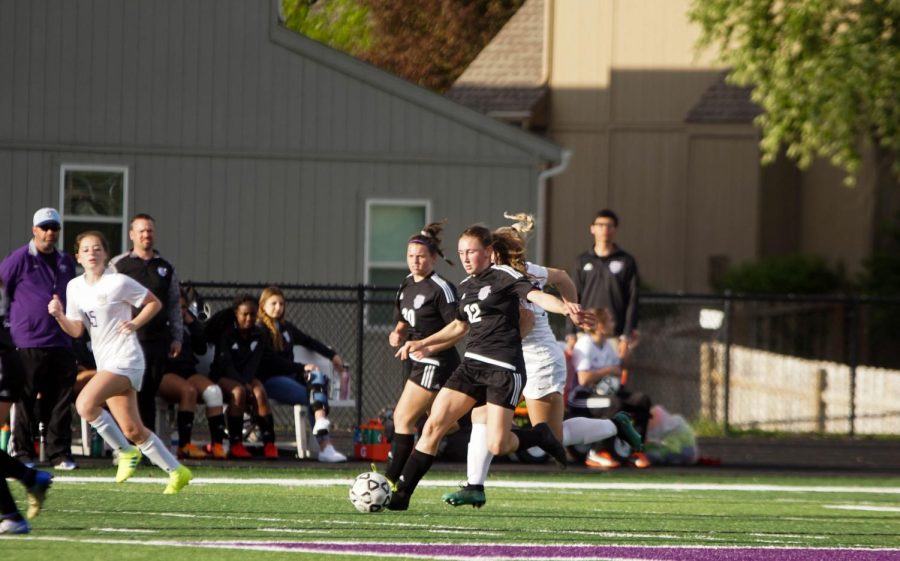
(473, 311)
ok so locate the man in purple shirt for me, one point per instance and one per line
(32, 274)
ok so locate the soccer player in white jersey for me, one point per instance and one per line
(425, 303)
(492, 371)
(103, 300)
(545, 366)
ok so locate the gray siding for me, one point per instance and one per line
(254, 148)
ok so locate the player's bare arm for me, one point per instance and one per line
(151, 307)
(398, 336)
(451, 334)
(73, 327)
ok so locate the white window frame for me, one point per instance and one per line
(63, 168)
(368, 263)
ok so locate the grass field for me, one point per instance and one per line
(304, 513)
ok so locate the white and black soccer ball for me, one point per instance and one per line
(370, 492)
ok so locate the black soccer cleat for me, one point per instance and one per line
(626, 431)
(399, 501)
(550, 445)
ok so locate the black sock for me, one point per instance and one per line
(185, 422)
(216, 428)
(402, 447)
(267, 428)
(236, 429)
(415, 469)
(7, 503)
(527, 438)
(11, 467)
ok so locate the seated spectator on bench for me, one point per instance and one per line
(240, 347)
(598, 366)
(182, 384)
(292, 383)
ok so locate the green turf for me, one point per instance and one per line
(78, 513)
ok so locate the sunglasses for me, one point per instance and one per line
(50, 227)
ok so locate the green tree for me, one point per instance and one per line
(826, 73)
(341, 24)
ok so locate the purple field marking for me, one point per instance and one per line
(649, 553)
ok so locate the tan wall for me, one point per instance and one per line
(836, 220)
(722, 204)
(623, 77)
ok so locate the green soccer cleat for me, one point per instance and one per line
(626, 431)
(128, 464)
(178, 480)
(467, 495)
(37, 493)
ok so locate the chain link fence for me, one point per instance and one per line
(732, 363)
(774, 363)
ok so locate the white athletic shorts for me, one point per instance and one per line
(136, 376)
(546, 370)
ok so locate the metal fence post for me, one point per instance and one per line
(726, 367)
(360, 336)
(852, 356)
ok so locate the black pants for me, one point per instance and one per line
(50, 372)
(155, 353)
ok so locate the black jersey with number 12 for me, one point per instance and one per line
(489, 302)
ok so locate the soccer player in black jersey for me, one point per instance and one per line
(493, 369)
(425, 304)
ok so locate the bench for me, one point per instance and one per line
(165, 416)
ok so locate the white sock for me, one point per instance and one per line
(154, 449)
(582, 430)
(110, 432)
(478, 459)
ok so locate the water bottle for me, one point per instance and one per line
(345, 384)
(335, 387)
(42, 446)
(4, 437)
(96, 444)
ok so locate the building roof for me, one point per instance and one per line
(724, 103)
(508, 75)
(341, 62)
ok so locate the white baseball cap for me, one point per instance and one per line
(46, 216)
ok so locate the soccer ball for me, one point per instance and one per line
(370, 492)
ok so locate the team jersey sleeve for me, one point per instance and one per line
(132, 291)
(522, 286)
(398, 316)
(73, 312)
(300, 338)
(448, 303)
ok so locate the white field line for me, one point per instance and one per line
(584, 486)
(870, 508)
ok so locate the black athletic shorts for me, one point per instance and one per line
(487, 383)
(181, 370)
(432, 373)
(12, 375)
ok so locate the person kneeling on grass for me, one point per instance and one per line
(103, 300)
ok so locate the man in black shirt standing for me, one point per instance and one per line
(161, 336)
(606, 276)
